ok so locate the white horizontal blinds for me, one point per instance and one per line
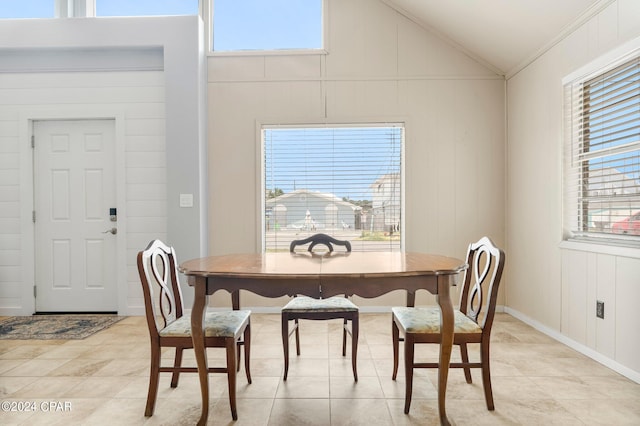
(343, 181)
(605, 150)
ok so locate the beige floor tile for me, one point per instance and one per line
(118, 412)
(35, 367)
(341, 367)
(25, 352)
(307, 367)
(66, 352)
(569, 387)
(300, 412)
(7, 365)
(260, 387)
(359, 412)
(124, 367)
(10, 385)
(62, 412)
(48, 387)
(536, 381)
(79, 367)
(304, 387)
(267, 367)
(97, 387)
(604, 411)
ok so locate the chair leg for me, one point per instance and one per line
(231, 375)
(239, 343)
(154, 376)
(285, 343)
(344, 337)
(464, 355)
(247, 352)
(297, 337)
(486, 375)
(354, 345)
(176, 364)
(408, 367)
(395, 333)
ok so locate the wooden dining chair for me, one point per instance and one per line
(472, 321)
(169, 327)
(336, 307)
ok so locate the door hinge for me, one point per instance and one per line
(33, 216)
(33, 141)
(35, 291)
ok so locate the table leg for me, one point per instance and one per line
(197, 334)
(446, 343)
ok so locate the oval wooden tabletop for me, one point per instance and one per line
(305, 265)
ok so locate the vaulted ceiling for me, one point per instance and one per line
(505, 35)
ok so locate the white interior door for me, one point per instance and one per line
(74, 163)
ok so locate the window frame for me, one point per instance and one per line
(572, 216)
(261, 181)
(206, 7)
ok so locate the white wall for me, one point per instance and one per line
(380, 66)
(158, 119)
(555, 285)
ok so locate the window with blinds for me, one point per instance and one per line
(602, 187)
(345, 181)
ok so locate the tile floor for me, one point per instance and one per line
(103, 380)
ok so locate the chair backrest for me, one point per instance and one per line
(317, 239)
(160, 285)
(482, 279)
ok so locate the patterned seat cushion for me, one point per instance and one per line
(303, 304)
(427, 320)
(217, 324)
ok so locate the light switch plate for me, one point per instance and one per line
(186, 200)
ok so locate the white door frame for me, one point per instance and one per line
(25, 132)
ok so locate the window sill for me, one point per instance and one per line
(601, 248)
(283, 52)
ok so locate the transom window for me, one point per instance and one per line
(27, 9)
(146, 8)
(603, 153)
(345, 181)
(246, 25)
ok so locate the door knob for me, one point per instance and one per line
(113, 231)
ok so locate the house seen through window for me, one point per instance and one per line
(344, 181)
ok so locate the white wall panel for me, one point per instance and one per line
(146, 175)
(628, 12)
(91, 80)
(146, 208)
(147, 159)
(561, 291)
(296, 99)
(237, 68)
(145, 143)
(285, 67)
(604, 329)
(153, 191)
(626, 312)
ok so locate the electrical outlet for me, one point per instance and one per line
(600, 309)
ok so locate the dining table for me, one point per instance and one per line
(366, 274)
